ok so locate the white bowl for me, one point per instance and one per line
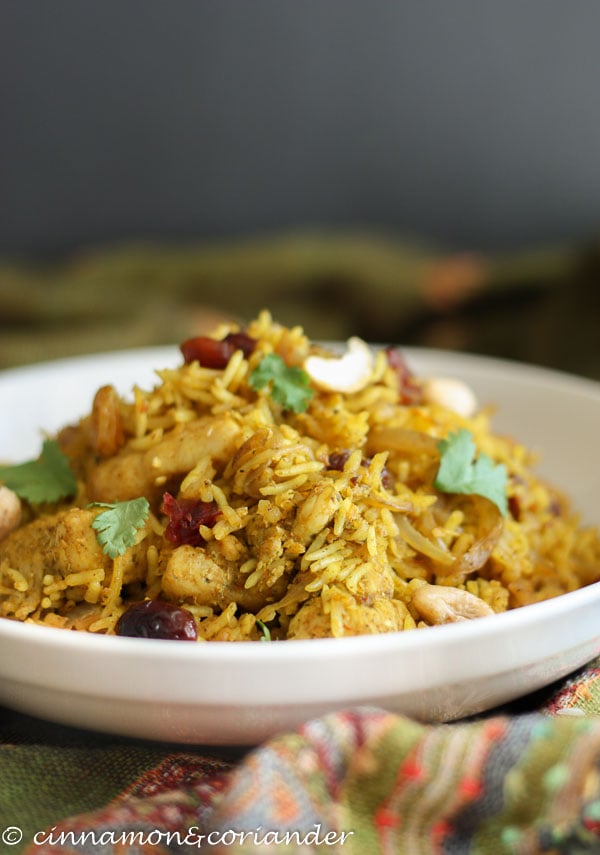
(224, 693)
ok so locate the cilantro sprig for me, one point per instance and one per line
(290, 385)
(46, 479)
(117, 526)
(460, 472)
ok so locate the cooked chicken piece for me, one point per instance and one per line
(382, 615)
(25, 551)
(181, 448)
(74, 441)
(74, 545)
(58, 545)
(130, 474)
(76, 548)
(376, 582)
(275, 551)
(204, 577)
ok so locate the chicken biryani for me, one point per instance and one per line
(271, 488)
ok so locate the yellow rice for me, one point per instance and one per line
(316, 550)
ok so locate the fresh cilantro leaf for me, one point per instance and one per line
(266, 632)
(47, 479)
(459, 472)
(117, 526)
(290, 386)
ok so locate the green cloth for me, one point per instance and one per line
(541, 305)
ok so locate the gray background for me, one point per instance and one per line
(470, 122)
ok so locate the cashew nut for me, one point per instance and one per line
(450, 393)
(10, 511)
(441, 604)
(347, 373)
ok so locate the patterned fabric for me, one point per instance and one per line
(518, 781)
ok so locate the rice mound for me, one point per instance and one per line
(326, 522)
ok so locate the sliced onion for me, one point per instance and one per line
(489, 529)
(422, 544)
(403, 440)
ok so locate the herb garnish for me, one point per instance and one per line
(459, 472)
(47, 479)
(266, 632)
(290, 385)
(117, 526)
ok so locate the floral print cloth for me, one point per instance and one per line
(521, 780)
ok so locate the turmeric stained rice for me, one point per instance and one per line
(292, 493)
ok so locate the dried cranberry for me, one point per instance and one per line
(185, 518)
(514, 506)
(337, 460)
(216, 353)
(555, 507)
(387, 479)
(242, 341)
(408, 389)
(157, 619)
